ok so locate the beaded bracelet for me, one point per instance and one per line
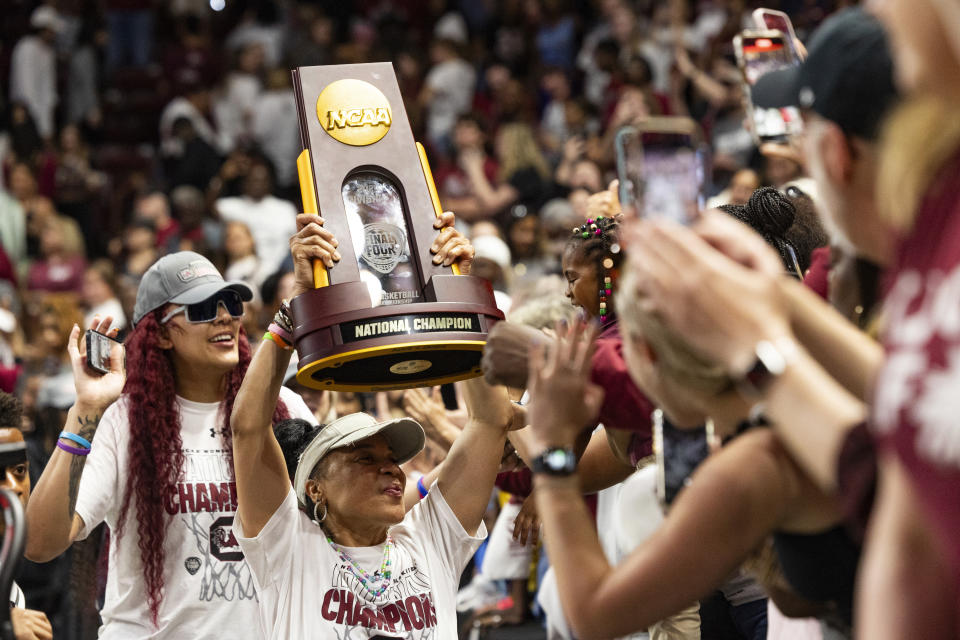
(75, 451)
(277, 340)
(76, 438)
(422, 490)
(283, 317)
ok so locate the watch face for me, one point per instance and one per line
(555, 462)
(556, 459)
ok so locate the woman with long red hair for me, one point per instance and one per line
(160, 474)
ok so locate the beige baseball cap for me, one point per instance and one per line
(405, 437)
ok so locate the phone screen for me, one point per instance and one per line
(661, 174)
(761, 55)
(98, 350)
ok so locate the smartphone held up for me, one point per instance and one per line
(759, 52)
(99, 350)
(773, 20)
(661, 164)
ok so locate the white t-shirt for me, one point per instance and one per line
(33, 80)
(452, 83)
(209, 592)
(274, 127)
(271, 222)
(506, 558)
(306, 591)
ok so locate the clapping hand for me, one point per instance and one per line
(716, 285)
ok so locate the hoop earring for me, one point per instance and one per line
(316, 519)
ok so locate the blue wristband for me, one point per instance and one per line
(422, 490)
(80, 440)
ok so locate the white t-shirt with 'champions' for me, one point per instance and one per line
(208, 589)
(307, 591)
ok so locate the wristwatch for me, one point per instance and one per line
(555, 461)
(772, 359)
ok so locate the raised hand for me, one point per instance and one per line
(430, 412)
(605, 203)
(562, 398)
(738, 242)
(574, 149)
(526, 526)
(93, 388)
(721, 306)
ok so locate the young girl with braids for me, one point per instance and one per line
(160, 473)
(591, 265)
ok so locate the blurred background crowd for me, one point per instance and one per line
(134, 128)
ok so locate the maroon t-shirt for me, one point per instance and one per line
(624, 407)
(916, 408)
(64, 276)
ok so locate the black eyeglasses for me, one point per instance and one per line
(207, 310)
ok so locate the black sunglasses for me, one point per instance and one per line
(207, 310)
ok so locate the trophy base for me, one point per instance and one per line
(358, 348)
(396, 366)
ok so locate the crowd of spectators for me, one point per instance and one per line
(130, 129)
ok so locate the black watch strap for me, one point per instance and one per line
(555, 461)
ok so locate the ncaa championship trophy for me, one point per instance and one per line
(385, 316)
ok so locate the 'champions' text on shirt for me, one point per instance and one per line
(413, 612)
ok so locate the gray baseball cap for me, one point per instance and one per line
(185, 277)
(405, 437)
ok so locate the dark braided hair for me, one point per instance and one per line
(597, 241)
(771, 214)
(807, 232)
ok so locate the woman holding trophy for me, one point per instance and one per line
(335, 552)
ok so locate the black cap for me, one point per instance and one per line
(847, 77)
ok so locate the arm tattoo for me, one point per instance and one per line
(88, 427)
